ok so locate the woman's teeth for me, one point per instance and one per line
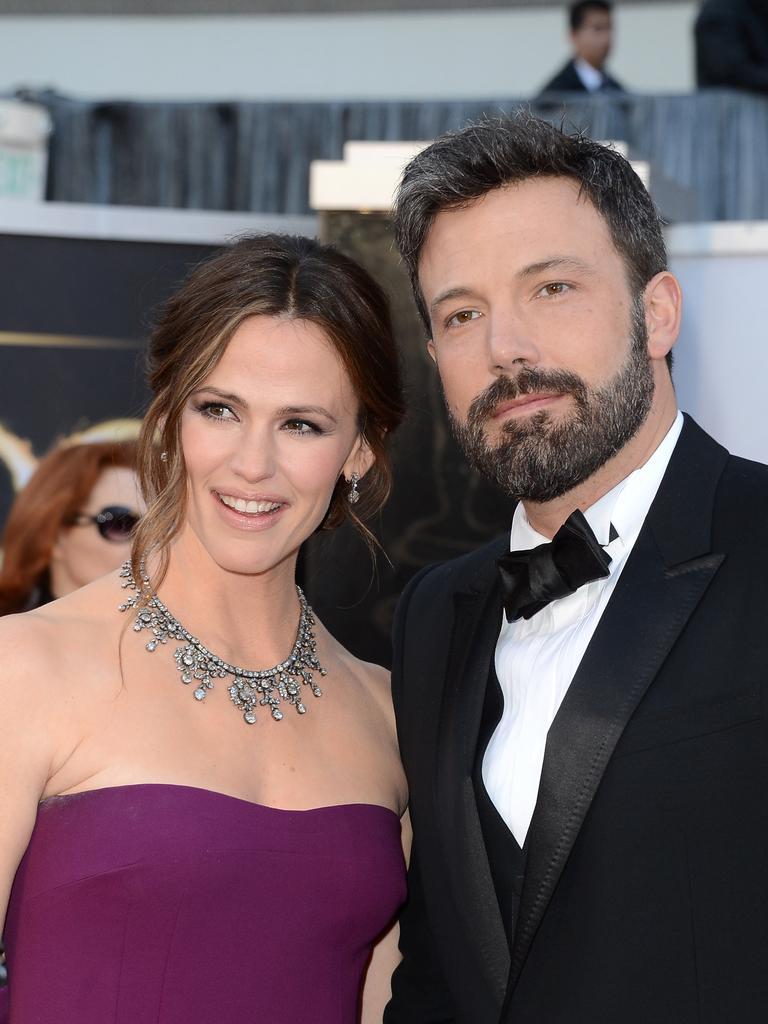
(253, 507)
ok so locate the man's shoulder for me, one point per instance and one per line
(739, 477)
(713, 12)
(742, 493)
(741, 472)
(442, 580)
(565, 80)
(427, 603)
(614, 83)
(739, 486)
(425, 618)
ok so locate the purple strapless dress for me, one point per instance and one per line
(161, 904)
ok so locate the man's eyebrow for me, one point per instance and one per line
(540, 267)
(555, 263)
(449, 294)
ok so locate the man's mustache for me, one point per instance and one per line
(528, 381)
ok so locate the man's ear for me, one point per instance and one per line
(359, 460)
(431, 350)
(663, 300)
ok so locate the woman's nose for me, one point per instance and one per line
(254, 457)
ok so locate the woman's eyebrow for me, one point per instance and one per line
(225, 396)
(306, 410)
(286, 410)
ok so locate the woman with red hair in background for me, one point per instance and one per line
(71, 523)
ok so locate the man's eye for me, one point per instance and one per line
(555, 288)
(462, 317)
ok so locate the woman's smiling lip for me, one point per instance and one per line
(255, 520)
(526, 403)
(274, 499)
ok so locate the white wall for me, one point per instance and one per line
(463, 54)
(721, 357)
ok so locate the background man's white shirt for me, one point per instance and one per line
(537, 658)
(591, 78)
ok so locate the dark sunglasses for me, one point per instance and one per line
(114, 523)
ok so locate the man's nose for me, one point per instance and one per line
(510, 343)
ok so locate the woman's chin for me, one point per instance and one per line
(243, 558)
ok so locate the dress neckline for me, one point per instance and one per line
(52, 801)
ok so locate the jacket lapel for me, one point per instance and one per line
(665, 577)
(476, 628)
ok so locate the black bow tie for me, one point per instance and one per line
(531, 579)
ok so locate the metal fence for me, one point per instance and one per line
(256, 156)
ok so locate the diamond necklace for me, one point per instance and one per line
(196, 664)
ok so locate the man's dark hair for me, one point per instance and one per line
(463, 166)
(577, 12)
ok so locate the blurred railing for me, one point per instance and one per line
(256, 156)
(186, 7)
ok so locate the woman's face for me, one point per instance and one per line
(81, 553)
(265, 439)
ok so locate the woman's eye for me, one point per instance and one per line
(302, 427)
(555, 288)
(464, 316)
(216, 411)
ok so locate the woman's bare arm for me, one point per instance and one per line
(27, 683)
(386, 956)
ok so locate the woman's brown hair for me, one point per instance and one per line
(56, 491)
(278, 276)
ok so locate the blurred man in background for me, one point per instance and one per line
(591, 35)
(732, 44)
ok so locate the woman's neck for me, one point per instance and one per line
(248, 620)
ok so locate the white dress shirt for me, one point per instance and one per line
(537, 658)
(591, 78)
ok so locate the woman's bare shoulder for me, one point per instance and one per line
(47, 686)
(39, 646)
(33, 700)
(26, 644)
(375, 678)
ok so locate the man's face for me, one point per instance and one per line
(592, 39)
(540, 347)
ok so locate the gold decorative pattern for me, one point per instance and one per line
(19, 458)
(28, 339)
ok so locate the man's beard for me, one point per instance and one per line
(541, 458)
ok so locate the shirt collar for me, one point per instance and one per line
(624, 507)
(590, 77)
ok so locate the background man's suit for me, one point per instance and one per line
(645, 896)
(732, 45)
(567, 80)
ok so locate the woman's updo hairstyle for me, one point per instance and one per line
(265, 275)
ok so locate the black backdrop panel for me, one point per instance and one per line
(74, 314)
(87, 287)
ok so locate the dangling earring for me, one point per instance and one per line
(163, 456)
(353, 495)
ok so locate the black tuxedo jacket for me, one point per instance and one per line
(646, 891)
(567, 80)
